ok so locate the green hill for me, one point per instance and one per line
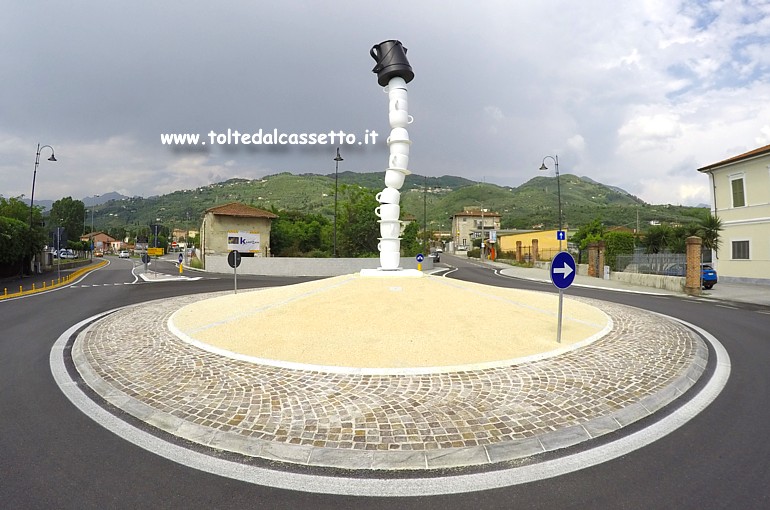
(532, 203)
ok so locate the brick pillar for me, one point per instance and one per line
(519, 258)
(593, 258)
(600, 268)
(692, 283)
(534, 251)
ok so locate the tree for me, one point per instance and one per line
(658, 239)
(69, 213)
(588, 233)
(13, 240)
(411, 243)
(296, 234)
(17, 241)
(617, 243)
(709, 232)
(357, 228)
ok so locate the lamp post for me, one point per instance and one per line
(425, 216)
(337, 160)
(32, 197)
(558, 188)
(92, 227)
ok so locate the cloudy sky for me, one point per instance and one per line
(636, 94)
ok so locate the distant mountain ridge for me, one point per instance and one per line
(534, 203)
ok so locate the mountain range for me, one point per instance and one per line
(429, 200)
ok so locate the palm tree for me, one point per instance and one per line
(709, 232)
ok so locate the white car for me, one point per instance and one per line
(124, 254)
(67, 254)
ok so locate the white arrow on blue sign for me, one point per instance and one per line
(420, 257)
(561, 235)
(563, 270)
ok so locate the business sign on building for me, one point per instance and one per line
(243, 242)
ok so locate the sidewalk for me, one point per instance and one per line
(17, 286)
(736, 292)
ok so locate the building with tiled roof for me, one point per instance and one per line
(236, 226)
(740, 197)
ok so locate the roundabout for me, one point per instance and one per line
(150, 361)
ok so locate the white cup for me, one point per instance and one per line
(387, 211)
(398, 105)
(395, 83)
(388, 196)
(399, 147)
(398, 134)
(390, 259)
(399, 118)
(394, 179)
(390, 229)
(389, 244)
(398, 93)
(399, 161)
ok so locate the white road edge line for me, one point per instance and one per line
(391, 487)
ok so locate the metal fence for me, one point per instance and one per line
(671, 264)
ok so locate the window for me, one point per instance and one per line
(739, 197)
(740, 250)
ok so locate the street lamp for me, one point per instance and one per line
(92, 227)
(337, 160)
(32, 197)
(558, 189)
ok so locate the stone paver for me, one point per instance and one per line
(409, 421)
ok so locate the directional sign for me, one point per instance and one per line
(420, 257)
(561, 235)
(562, 270)
(181, 258)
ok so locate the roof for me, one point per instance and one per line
(746, 155)
(241, 210)
(478, 213)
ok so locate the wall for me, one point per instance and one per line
(655, 281)
(291, 266)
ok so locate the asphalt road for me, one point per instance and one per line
(53, 456)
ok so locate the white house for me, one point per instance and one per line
(740, 197)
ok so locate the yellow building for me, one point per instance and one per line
(547, 244)
(740, 197)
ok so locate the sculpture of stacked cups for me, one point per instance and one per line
(393, 73)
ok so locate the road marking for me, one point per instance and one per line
(392, 487)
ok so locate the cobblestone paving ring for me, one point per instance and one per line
(411, 421)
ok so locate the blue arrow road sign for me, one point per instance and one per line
(561, 235)
(562, 270)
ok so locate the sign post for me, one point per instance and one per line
(181, 258)
(234, 260)
(420, 257)
(562, 276)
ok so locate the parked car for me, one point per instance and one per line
(675, 270)
(707, 273)
(67, 254)
(124, 254)
(435, 255)
(708, 276)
